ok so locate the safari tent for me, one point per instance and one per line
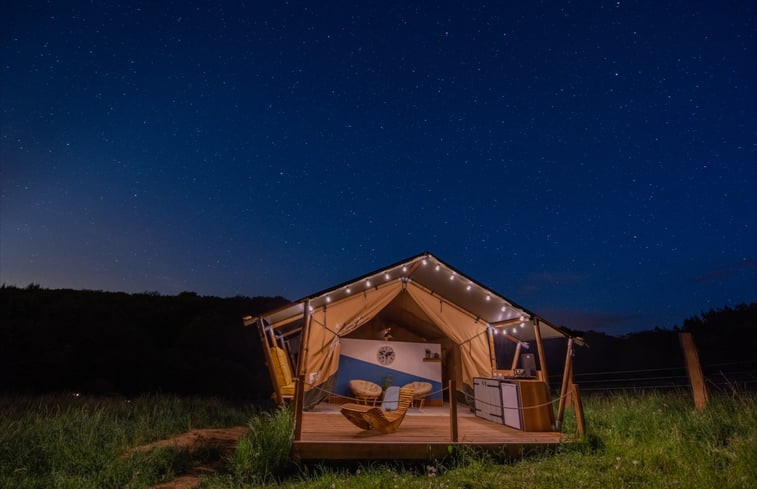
(419, 320)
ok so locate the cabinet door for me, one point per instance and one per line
(494, 406)
(481, 395)
(511, 405)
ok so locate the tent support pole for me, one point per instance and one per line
(452, 411)
(578, 406)
(269, 360)
(299, 395)
(543, 374)
(567, 371)
(516, 357)
(492, 352)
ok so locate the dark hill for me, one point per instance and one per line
(118, 343)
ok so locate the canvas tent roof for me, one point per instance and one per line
(437, 278)
(429, 294)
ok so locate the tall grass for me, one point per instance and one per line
(264, 454)
(639, 441)
(78, 442)
(649, 440)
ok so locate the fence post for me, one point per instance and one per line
(694, 369)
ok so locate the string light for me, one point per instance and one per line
(349, 290)
(488, 297)
(452, 277)
(328, 299)
(404, 268)
(386, 275)
(424, 262)
(437, 268)
(468, 287)
(367, 283)
(504, 308)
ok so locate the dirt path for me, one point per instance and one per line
(223, 438)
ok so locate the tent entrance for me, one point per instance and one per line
(402, 320)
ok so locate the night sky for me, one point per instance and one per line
(595, 162)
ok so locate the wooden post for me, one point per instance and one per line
(694, 369)
(565, 381)
(452, 411)
(578, 407)
(299, 389)
(543, 374)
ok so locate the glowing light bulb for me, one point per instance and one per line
(503, 309)
(437, 268)
(328, 299)
(495, 331)
(468, 287)
(386, 276)
(367, 283)
(349, 290)
(404, 269)
(424, 262)
(488, 297)
(452, 277)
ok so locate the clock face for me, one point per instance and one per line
(385, 355)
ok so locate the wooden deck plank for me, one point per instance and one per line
(329, 435)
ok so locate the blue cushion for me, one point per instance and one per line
(391, 399)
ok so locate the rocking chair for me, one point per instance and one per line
(380, 418)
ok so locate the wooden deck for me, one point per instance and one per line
(426, 434)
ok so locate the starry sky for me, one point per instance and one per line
(593, 161)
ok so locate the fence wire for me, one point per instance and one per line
(724, 376)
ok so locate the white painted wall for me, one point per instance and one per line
(408, 356)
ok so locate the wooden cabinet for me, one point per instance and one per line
(520, 404)
(537, 414)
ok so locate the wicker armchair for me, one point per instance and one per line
(421, 390)
(365, 391)
(375, 418)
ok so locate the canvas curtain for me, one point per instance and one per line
(330, 322)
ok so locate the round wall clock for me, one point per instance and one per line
(385, 355)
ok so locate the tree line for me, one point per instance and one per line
(129, 344)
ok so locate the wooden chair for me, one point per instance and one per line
(376, 418)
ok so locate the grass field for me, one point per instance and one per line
(79, 442)
(642, 440)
